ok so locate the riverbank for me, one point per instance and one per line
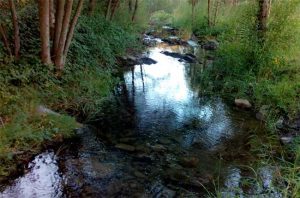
(77, 95)
(265, 74)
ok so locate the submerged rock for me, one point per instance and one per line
(243, 103)
(158, 148)
(210, 45)
(191, 162)
(160, 191)
(125, 147)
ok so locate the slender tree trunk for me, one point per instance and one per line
(135, 10)
(44, 13)
(59, 56)
(216, 12)
(130, 6)
(52, 19)
(114, 8)
(92, 6)
(108, 9)
(5, 40)
(208, 12)
(262, 18)
(72, 27)
(59, 16)
(17, 41)
(193, 11)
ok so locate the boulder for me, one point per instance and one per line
(243, 103)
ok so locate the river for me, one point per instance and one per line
(157, 137)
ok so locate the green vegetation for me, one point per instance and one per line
(264, 69)
(257, 59)
(87, 80)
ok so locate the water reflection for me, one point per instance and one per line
(42, 181)
(164, 100)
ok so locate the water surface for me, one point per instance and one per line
(158, 138)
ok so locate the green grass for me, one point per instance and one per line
(266, 74)
(88, 80)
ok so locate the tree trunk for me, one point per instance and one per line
(59, 55)
(72, 27)
(108, 8)
(135, 10)
(130, 6)
(59, 16)
(52, 19)
(44, 13)
(114, 8)
(262, 18)
(216, 12)
(92, 6)
(5, 40)
(208, 13)
(193, 11)
(16, 29)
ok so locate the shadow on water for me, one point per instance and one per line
(155, 138)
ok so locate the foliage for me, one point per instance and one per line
(161, 18)
(80, 91)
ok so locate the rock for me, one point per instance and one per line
(139, 174)
(189, 58)
(170, 30)
(280, 123)
(191, 162)
(174, 40)
(130, 60)
(125, 147)
(160, 191)
(286, 140)
(144, 158)
(42, 110)
(158, 148)
(127, 140)
(148, 61)
(210, 45)
(192, 43)
(165, 141)
(242, 103)
(172, 54)
(263, 112)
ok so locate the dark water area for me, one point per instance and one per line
(158, 137)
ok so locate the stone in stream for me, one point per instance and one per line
(158, 148)
(262, 113)
(148, 61)
(243, 103)
(189, 58)
(160, 191)
(210, 45)
(189, 162)
(139, 174)
(286, 140)
(125, 147)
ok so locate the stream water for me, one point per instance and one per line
(158, 138)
